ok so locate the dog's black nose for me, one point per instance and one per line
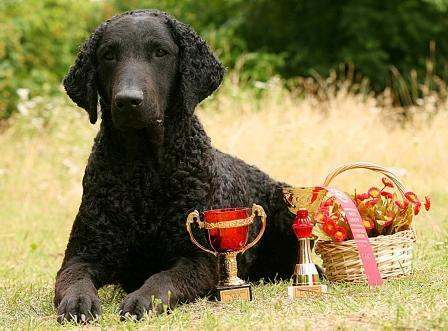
(129, 99)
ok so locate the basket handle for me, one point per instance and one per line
(369, 166)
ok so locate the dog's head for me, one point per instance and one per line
(140, 63)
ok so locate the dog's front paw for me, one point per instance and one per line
(79, 306)
(135, 305)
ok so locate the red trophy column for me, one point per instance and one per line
(306, 277)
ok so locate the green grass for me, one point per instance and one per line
(41, 166)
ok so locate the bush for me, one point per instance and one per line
(259, 38)
(373, 35)
(38, 39)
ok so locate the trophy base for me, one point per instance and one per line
(300, 291)
(231, 293)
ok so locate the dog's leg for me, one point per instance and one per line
(187, 280)
(76, 296)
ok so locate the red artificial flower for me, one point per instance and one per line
(340, 233)
(319, 217)
(412, 197)
(382, 224)
(387, 182)
(374, 192)
(427, 203)
(362, 196)
(335, 218)
(406, 203)
(372, 202)
(387, 195)
(324, 209)
(329, 227)
(368, 223)
(387, 223)
(402, 205)
(389, 217)
(417, 207)
(387, 220)
(329, 202)
(316, 190)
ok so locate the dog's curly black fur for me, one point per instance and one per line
(130, 228)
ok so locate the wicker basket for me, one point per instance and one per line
(393, 253)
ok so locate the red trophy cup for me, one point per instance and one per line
(305, 277)
(228, 231)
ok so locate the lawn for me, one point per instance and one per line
(44, 150)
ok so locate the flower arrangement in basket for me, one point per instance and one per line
(387, 214)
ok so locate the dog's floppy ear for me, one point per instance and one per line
(80, 82)
(200, 72)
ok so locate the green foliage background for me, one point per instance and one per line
(39, 38)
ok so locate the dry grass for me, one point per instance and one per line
(297, 140)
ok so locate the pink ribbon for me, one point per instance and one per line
(359, 235)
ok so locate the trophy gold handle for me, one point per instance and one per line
(257, 209)
(192, 218)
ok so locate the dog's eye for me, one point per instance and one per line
(109, 56)
(160, 52)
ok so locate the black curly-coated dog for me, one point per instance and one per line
(150, 165)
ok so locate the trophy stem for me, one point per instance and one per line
(228, 270)
(305, 271)
(304, 251)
